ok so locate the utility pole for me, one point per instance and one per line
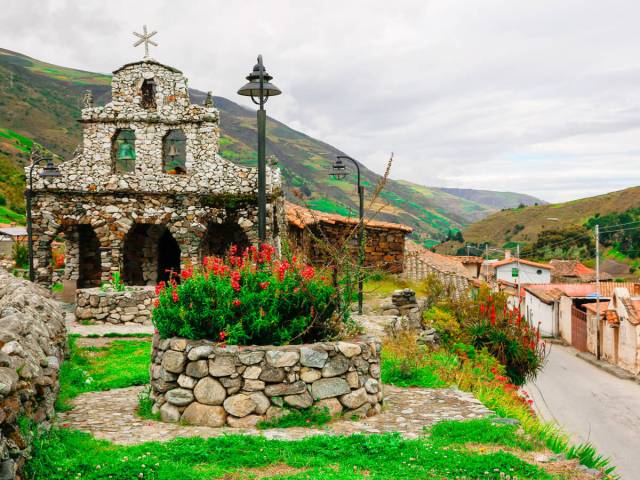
(598, 291)
(518, 277)
(486, 262)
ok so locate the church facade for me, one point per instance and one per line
(147, 192)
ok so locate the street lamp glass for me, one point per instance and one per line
(252, 89)
(50, 170)
(338, 170)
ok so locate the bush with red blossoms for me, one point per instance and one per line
(249, 298)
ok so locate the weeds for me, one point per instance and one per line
(308, 417)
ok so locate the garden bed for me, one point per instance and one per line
(131, 305)
(200, 382)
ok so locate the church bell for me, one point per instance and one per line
(126, 151)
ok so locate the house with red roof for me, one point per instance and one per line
(574, 271)
(521, 271)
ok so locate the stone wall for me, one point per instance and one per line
(32, 345)
(202, 383)
(132, 305)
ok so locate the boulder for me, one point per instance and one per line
(253, 372)
(329, 387)
(205, 415)
(261, 401)
(272, 374)
(179, 397)
(197, 369)
(240, 405)
(310, 375)
(355, 399)
(222, 366)
(173, 361)
(169, 413)
(210, 391)
(349, 349)
(281, 389)
(200, 352)
(282, 358)
(303, 400)
(336, 366)
(249, 421)
(250, 358)
(313, 357)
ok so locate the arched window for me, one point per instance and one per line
(148, 93)
(123, 151)
(174, 152)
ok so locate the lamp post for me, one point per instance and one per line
(49, 171)
(339, 171)
(260, 89)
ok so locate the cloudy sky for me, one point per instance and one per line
(535, 96)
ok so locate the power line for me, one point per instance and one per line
(607, 227)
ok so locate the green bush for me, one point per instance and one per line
(249, 299)
(444, 322)
(20, 255)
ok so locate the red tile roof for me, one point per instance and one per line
(469, 259)
(576, 269)
(507, 261)
(302, 217)
(581, 290)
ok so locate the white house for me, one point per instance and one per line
(541, 308)
(522, 271)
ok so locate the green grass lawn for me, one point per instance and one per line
(89, 369)
(448, 450)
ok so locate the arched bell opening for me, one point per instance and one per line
(123, 151)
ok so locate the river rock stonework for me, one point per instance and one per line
(132, 305)
(120, 205)
(32, 347)
(203, 383)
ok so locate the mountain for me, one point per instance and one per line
(524, 224)
(40, 102)
(494, 200)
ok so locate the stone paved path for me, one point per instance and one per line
(74, 327)
(111, 416)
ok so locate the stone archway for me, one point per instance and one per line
(220, 236)
(149, 250)
(89, 261)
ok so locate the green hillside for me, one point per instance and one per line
(523, 225)
(41, 102)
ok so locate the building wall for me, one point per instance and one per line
(527, 274)
(384, 248)
(539, 312)
(564, 318)
(592, 332)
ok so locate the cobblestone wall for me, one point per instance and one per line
(131, 305)
(201, 383)
(32, 344)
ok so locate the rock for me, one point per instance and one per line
(251, 358)
(374, 369)
(309, 375)
(253, 385)
(179, 397)
(312, 357)
(250, 421)
(335, 366)
(187, 382)
(8, 381)
(169, 413)
(349, 349)
(361, 412)
(372, 385)
(222, 366)
(274, 413)
(239, 405)
(353, 379)
(261, 401)
(197, 369)
(329, 387)
(281, 389)
(173, 361)
(355, 399)
(252, 373)
(200, 352)
(282, 358)
(205, 415)
(178, 344)
(333, 405)
(302, 400)
(210, 391)
(272, 374)
(231, 384)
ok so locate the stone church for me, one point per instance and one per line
(147, 192)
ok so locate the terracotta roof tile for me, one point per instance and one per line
(302, 217)
(507, 261)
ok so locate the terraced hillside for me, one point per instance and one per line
(40, 102)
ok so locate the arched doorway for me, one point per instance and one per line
(149, 251)
(89, 262)
(220, 236)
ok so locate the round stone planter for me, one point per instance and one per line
(202, 383)
(132, 305)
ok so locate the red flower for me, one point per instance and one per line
(174, 295)
(307, 272)
(160, 287)
(264, 285)
(186, 274)
(156, 302)
(223, 335)
(233, 250)
(237, 303)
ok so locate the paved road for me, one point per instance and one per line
(591, 405)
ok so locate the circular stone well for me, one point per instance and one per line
(203, 383)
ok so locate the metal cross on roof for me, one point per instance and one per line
(146, 39)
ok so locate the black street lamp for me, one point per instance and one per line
(339, 171)
(49, 171)
(260, 89)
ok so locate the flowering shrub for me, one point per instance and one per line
(507, 335)
(248, 298)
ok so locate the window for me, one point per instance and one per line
(174, 152)
(123, 151)
(148, 94)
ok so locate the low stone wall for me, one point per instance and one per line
(32, 346)
(202, 383)
(131, 305)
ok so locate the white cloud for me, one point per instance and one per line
(536, 96)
